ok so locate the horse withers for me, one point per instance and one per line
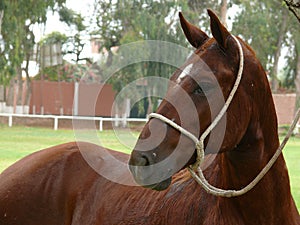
(57, 186)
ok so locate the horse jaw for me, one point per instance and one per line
(163, 185)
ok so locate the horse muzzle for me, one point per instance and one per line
(148, 173)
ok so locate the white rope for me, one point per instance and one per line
(195, 168)
(232, 193)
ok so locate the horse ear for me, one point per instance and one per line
(219, 31)
(194, 35)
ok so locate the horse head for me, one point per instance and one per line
(196, 93)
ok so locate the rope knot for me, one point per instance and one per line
(200, 155)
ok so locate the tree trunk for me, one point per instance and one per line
(1, 17)
(10, 95)
(223, 12)
(274, 70)
(109, 58)
(28, 81)
(28, 90)
(297, 82)
(150, 104)
(20, 86)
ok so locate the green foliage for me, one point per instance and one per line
(293, 45)
(269, 28)
(123, 22)
(71, 18)
(74, 44)
(69, 73)
(53, 38)
(259, 23)
(289, 71)
(17, 33)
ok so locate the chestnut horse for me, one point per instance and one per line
(57, 186)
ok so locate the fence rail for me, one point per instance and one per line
(56, 119)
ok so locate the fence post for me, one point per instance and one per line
(116, 120)
(10, 122)
(124, 120)
(55, 122)
(100, 125)
(75, 101)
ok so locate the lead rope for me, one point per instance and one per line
(195, 168)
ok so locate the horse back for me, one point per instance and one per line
(45, 187)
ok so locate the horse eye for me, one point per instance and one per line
(203, 89)
(199, 91)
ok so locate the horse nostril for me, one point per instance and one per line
(139, 160)
(144, 161)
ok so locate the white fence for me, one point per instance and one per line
(57, 118)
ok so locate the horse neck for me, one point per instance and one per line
(239, 167)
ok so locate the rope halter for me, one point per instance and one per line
(195, 169)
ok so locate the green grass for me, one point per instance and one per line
(292, 156)
(17, 142)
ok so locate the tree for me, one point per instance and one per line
(292, 68)
(122, 22)
(1, 14)
(75, 43)
(264, 26)
(294, 7)
(223, 11)
(19, 17)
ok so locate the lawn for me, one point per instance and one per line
(17, 142)
(292, 156)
